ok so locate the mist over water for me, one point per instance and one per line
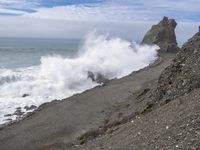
(58, 77)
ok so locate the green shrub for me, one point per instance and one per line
(147, 108)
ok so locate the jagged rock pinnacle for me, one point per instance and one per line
(163, 35)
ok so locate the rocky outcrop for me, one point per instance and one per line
(98, 78)
(163, 35)
(183, 75)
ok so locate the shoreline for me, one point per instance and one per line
(29, 112)
(82, 112)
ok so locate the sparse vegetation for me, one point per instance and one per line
(87, 135)
(143, 92)
(146, 108)
(83, 137)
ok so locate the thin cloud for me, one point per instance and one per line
(104, 10)
(17, 7)
(123, 10)
(11, 11)
(124, 18)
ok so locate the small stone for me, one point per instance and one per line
(119, 114)
(30, 108)
(197, 132)
(25, 95)
(167, 127)
(18, 113)
(9, 119)
(7, 115)
(18, 108)
(195, 51)
(184, 82)
(169, 92)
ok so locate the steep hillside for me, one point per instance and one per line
(183, 75)
(170, 117)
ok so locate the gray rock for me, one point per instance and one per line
(18, 113)
(99, 78)
(163, 35)
(25, 95)
(18, 108)
(91, 76)
(30, 108)
(7, 115)
(9, 119)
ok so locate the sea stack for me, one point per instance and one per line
(163, 35)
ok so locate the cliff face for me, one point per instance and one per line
(163, 35)
(183, 75)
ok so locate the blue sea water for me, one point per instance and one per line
(25, 52)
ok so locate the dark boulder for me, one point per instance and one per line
(8, 115)
(18, 113)
(99, 78)
(18, 108)
(163, 35)
(91, 76)
(25, 95)
(32, 107)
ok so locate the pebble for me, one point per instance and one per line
(18, 108)
(30, 108)
(7, 115)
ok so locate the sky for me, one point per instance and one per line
(74, 18)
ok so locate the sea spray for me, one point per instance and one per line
(57, 77)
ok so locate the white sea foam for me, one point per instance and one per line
(57, 77)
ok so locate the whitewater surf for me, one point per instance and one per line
(58, 77)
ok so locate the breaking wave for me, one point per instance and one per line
(57, 77)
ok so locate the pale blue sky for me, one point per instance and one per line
(73, 18)
(182, 10)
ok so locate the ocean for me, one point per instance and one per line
(35, 71)
(26, 52)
